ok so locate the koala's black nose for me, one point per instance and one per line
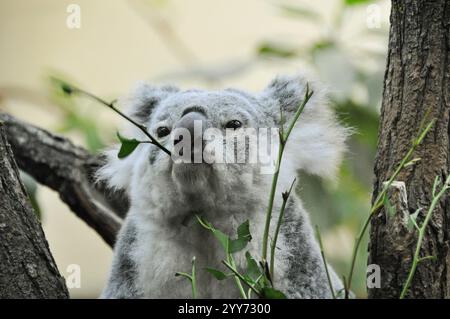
(193, 123)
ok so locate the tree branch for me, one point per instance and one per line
(56, 162)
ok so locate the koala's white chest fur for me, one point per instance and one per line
(161, 252)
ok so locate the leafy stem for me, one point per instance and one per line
(379, 201)
(191, 277)
(422, 228)
(70, 89)
(237, 277)
(240, 277)
(283, 137)
(285, 196)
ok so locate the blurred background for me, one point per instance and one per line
(198, 43)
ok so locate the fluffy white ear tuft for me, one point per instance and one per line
(144, 98)
(317, 142)
(139, 104)
(116, 172)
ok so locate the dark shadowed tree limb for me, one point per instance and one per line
(56, 162)
(27, 268)
(417, 82)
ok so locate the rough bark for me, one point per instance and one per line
(417, 81)
(27, 268)
(55, 162)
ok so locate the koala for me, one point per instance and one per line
(160, 234)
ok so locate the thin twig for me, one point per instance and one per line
(237, 278)
(322, 252)
(191, 277)
(417, 259)
(230, 267)
(283, 140)
(285, 196)
(70, 89)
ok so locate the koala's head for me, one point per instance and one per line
(211, 119)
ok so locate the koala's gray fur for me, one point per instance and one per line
(156, 241)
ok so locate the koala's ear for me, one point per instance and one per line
(285, 93)
(144, 98)
(317, 142)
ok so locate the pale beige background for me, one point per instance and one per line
(118, 45)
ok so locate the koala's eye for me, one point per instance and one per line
(162, 131)
(234, 124)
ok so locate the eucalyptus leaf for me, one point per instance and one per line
(236, 245)
(127, 147)
(432, 258)
(272, 293)
(243, 231)
(244, 236)
(67, 89)
(221, 237)
(390, 209)
(412, 221)
(355, 2)
(253, 270)
(275, 50)
(219, 275)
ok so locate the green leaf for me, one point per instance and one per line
(412, 221)
(390, 209)
(243, 231)
(230, 245)
(32, 187)
(237, 245)
(413, 161)
(253, 271)
(271, 293)
(274, 50)
(183, 274)
(355, 2)
(432, 258)
(67, 89)
(437, 180)
(221, 237)
(204, 223)
(127, 147)
(219, 275)
(322, 45)
(244, 236)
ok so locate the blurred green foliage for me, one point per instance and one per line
(77, 117)
(32, 189)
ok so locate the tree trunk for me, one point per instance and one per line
(417, 81)
(27, 268)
